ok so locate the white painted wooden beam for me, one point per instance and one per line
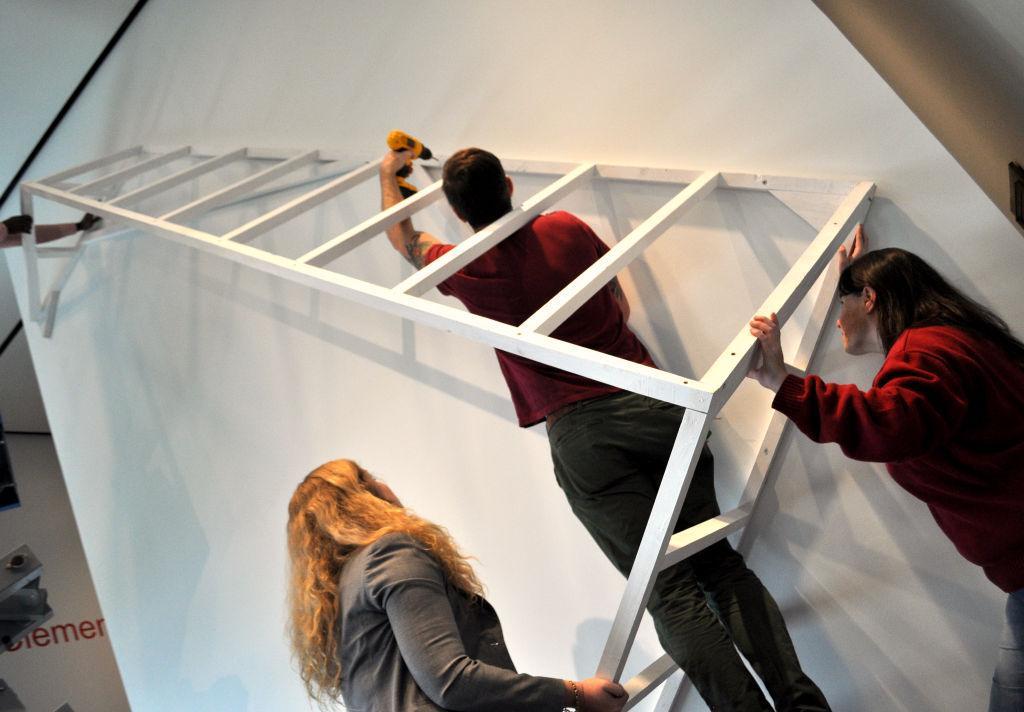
(673, 693)
(301, 204)
(465, 252)
(763, 471)
(819, 321)
(576, 293)
(667, 505)
(178, 178)
(49, 309)
(241, 187)
(631, 376)
(757, 181)
(696, 538)
(766, 461)
(729, 180)
(49, 253)
(284, 153)
(90, 166)
(29, 249)
(729, 370)
(648, 680)
(350, 239)
(53, 297)
(131, 171)
(700, 536)
(603, 171)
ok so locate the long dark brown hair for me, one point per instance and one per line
(910, 293)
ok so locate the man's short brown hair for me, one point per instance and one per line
(475, 185)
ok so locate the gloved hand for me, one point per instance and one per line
(88, 222)
(18, 224)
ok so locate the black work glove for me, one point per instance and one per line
(88, 222)
(18, 224)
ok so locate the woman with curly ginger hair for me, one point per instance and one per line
(388, 614)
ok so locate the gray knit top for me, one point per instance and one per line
(408, 640)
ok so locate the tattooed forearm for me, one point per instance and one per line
(616, 289)
(415, 249)
(619, 296)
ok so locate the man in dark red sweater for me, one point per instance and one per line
(610, 447)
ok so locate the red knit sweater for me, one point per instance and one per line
(946, 415)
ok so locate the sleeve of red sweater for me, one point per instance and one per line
(916, 403)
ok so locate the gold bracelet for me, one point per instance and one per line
(577, 703)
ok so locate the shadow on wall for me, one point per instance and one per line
(808, 606)
(591, 635)
(227, 694)
(157, 529)
(309, 321)
(655, 305)
(404, 361)
(799, 529)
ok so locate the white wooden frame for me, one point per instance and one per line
(702, 397)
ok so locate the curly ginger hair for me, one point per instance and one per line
(333, 513)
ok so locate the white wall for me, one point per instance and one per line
(47, 49)
(188, 395)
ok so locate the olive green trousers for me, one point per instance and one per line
(610, 454)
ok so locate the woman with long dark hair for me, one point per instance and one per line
(388, 615)
(945, 413)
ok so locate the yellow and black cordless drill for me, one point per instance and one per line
(401, 141)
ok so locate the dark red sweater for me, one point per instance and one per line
(517, 277)
(946, 415)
